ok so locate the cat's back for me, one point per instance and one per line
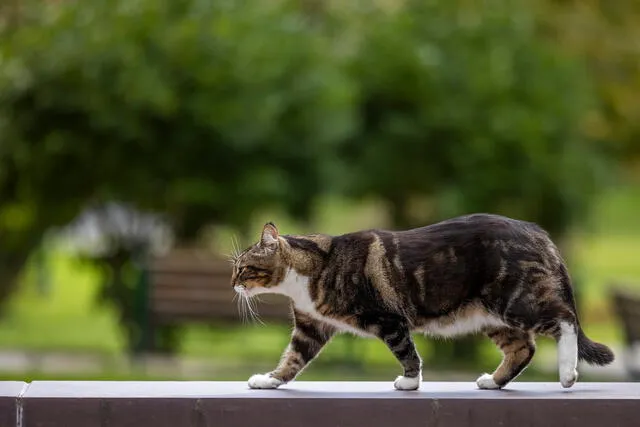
(457, 232)
(477, 239)
(476, 228)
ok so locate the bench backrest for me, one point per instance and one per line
(627, 307)
(197, 288)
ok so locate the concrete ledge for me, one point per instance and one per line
(10, 395)
(310, 404)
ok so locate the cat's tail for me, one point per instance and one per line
(592, 352)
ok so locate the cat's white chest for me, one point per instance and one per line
(296, 287)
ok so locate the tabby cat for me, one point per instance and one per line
(481, 273)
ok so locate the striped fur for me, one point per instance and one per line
(478, 273)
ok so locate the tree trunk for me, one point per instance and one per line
(11, 266)
(13, 259)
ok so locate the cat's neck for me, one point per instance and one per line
(303, 258)
(306, 254)
(295, 286)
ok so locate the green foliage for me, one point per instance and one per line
(604, 34)
(210, 111)
(469, 109)
(178, 106)
(205, 112)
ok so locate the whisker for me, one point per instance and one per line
(241, 309)
(253, 311)
(249, 310)
(233, 256)
(236, 246)
(261, 301)
(245, 311)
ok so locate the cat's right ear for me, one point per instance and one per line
(269, 238)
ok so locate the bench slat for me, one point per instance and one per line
(185, 288)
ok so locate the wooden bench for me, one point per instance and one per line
(627, 309)
(189, 287)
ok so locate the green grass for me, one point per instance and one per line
(65, 318)
(605, 261)
(68, 317)
(605, 257)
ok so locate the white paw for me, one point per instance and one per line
(569, 378)
(486, 382)
(407, 383)
(264, 381)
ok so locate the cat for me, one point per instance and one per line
(477, 273)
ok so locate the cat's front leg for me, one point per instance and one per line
(397, 337)
(308, 338)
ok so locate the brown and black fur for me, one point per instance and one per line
(389, 284)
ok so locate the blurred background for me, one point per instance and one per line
(135, 130)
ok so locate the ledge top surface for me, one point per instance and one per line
(315, 390)
(11, 388)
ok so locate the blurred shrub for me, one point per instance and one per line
(205, 110)
(604, 33)
(117, 240)
(208, 111)
(466, 107)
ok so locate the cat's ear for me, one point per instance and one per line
(269, 238)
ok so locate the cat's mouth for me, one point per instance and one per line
(241, 289)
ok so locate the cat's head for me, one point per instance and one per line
(259, 267)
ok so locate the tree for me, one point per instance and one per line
(603, 34)
(466, 109)
(203, 111)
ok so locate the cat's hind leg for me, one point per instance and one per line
(568, 354)
(565, 332)
(518, 348)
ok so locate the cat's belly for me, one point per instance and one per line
(468, 320)
(342, 325)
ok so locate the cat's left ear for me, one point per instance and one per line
(270, 235)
